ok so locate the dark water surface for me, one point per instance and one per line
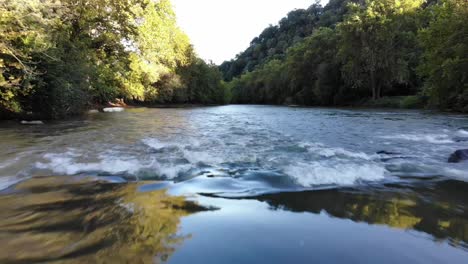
(235, 184)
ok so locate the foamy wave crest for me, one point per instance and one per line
(7, 181)
(68, 164)
(462, 132)
(155, 143)
(191, 151)
(430, 138)
(329, 152)
(317, 173)
(459, 173)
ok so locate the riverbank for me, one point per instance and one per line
(394, 102)
(411, 102)
(96, 108)
(397, 102)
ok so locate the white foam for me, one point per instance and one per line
(154, 143)
(67, 164)
(330, 152)
(430, 138)
(319, 173)
(459, 173)
(200, 156)
(188, 152)
(172, 171)
(462, 132)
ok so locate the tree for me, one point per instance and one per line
(312, 66)
(203, 83)
(445, 59)
(23, 35)
(273, 42)
(57, 58)
(375, 39)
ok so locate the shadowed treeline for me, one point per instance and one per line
(60, 219)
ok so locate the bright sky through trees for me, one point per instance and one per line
(219, 29)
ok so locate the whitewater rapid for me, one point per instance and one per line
(240, 148)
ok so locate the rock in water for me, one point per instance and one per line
(32, 122)
(458, 156)
(113, 109)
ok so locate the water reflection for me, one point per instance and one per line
(80, 221)
(436, 208)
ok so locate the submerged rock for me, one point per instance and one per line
(460, 139)
(458, 156)
(387, 156)
(384, 152)
(37, 122)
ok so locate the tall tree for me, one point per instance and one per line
(313, 67)
(58, 57)
(445, 59)
(375, 39)
(23, 30)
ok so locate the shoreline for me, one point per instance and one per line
(100, 108)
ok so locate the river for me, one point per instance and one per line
(236, 184)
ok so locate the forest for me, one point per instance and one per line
(395, 53)
(61, 57)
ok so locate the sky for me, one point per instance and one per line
(220, 29)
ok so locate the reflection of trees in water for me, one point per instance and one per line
(62, 219)
(439, 208)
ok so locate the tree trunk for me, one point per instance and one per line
(379, 91)
(373, 85)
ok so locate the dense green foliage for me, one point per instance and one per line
(355, 52)
(59, 57)
(274, 41)
(445, 59)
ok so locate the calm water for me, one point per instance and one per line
(235, 184)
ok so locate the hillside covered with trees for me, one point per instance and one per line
(61, 57)
(408, 53)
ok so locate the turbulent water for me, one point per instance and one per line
(235, 184)
(240, 149)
